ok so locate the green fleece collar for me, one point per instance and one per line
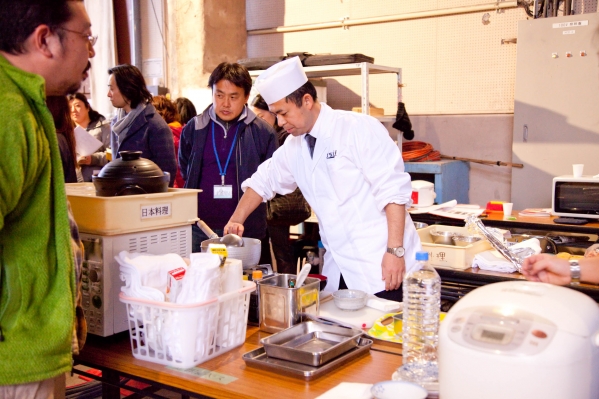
(32, 85)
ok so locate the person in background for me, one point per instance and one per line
(61, 113)
(550, 269)
(186, 110)
(137, 126)
(96, 125)
(166, 108)
(45, 47)
(352, 175)
(222, 147)
(279, 235)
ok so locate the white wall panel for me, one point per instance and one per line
(451, 65)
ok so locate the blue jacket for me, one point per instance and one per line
(256, 143)
(149, 134)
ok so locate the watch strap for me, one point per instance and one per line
(398, 251)
(574, 270)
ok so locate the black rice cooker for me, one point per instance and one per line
(130, 175)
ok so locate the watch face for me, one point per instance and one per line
(399, 252)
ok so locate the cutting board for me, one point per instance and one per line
(363, 318)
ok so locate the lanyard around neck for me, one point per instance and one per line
(222, 172)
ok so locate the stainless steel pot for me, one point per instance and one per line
(249, 253)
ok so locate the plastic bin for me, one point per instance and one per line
(450, 256)
(131, 213)
(184, 336)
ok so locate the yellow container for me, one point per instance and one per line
(131, 213)
(451, 256)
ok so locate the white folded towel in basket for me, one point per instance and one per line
(145, 275)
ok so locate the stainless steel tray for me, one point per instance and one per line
(258, 359)
(311, 343)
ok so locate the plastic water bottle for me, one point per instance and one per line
(420, 334)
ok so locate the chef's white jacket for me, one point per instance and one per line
(355, 172)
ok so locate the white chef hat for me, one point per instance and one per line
(281, 79)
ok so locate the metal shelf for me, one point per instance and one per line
(342, 70)
(361, 68)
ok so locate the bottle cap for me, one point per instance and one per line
(256, 275)
(421, 255)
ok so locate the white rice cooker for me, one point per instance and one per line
(423, 193)
(520, 339)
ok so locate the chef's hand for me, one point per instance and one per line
(393, 271)
(547, 269)
(86, 160)
(233, 228)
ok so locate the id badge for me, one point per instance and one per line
(223, 192)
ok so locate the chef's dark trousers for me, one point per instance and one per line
(393, 295)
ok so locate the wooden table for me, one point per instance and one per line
(113, 356)
(496, 219)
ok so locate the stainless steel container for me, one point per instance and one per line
(281, 306)
(311, 343)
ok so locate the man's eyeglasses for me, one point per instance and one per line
(92, 39)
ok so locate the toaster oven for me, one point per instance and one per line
(575, 196)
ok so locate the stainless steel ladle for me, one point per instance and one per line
(230, 240)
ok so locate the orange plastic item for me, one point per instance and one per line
(256, 275)
(495, 206)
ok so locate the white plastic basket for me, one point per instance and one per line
(184, 336)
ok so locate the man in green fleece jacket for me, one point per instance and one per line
(45, 46)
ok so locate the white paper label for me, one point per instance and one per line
(223, 192)
(156, 211)
(568, 32)
(560, 25)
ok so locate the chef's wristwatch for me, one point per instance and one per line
(574, 271)
(399, 251)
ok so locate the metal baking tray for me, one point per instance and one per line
(258, 359)
(311, 343)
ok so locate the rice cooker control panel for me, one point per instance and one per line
(500, 331)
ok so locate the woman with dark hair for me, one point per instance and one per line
(96, 125)
(186, 109)
(279, 233)
(59, 107)
(167, 109)
(137, 126)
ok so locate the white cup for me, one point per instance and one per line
(577, 169)
(507, 208)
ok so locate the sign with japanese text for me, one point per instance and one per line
(156, 211)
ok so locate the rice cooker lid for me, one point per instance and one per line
(569, 310)
(130, 164)
(418, 185)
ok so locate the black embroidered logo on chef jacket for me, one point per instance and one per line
(331, 155)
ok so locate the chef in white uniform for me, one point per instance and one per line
(354, 180)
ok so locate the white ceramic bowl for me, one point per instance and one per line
(249, 254)
(398, 389)
(350, 299)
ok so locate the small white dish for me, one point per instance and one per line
(398, 389)
(350, 299)
(431, 387)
